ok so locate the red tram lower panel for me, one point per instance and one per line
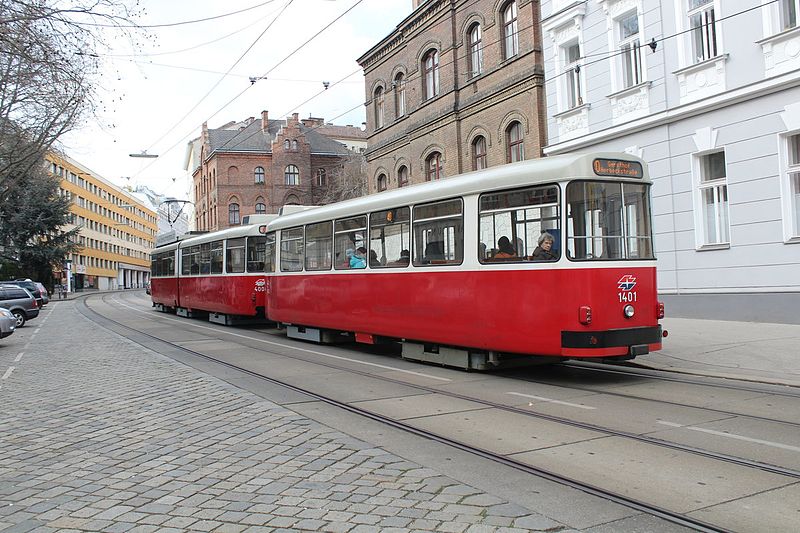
(536, 311)
(231, 295)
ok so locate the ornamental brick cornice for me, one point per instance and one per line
(412, 23)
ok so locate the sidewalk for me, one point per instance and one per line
(752, 351)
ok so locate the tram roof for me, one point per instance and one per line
(522, 174)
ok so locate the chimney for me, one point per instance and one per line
(264, 120)
(296, 118)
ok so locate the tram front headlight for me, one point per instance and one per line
(628, 311)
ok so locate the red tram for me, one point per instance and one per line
(550, 257)
(220, 273)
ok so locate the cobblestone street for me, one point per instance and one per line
(100, 434)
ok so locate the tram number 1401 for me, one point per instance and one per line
(627, 296)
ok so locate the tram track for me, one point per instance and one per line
(577, 424)
(640, 505)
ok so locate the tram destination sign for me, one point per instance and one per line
(618, 168)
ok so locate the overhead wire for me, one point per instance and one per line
(224, 75)
(602, 57)
(180, 23)
(237, 96)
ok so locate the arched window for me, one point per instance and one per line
(322, 177)
(292, 175)
(430, 69)
(475, 50)
(382, 182)
(479, 153)
(294, 144)
(378, 101)
(399, 94)
(261, 207)
(259, 174)
(286, 144)
(402, 176)
(510, 35)
(433, 167)
(515, 142)
(233, 213)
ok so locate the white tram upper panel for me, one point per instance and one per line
(524, 173)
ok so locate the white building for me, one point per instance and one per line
(708, 92)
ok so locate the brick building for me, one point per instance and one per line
(457, 86)
(258, 166)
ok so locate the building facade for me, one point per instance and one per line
(708, 93)
(117, 230)
(258, 166)
(457, 86)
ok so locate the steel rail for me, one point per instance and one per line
(632, 503)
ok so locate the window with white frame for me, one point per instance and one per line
(703, 29)
(475, 50)
(572, 73)
(713, 191)
(788, 13)
(793, 178)
(630, 49)
(510, 34)
(378, 107)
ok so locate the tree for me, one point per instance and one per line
(32, 218)
(348, 180)
(49, 64)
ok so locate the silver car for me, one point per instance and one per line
(8, 322)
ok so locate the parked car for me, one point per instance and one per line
(20, 302)
(28, 285)
(8, 322)
(43, 290)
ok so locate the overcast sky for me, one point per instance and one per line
(148, 91)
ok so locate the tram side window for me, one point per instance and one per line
(439, 233)
(390, 238)
(608, 220)
(234, 256)
(350, 234)
(319, 246)
(256, 251)
(216, 257)
(190, 260)
(205, 258)
(513, 222)
(269, 253)
(292, 250)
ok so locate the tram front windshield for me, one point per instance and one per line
(608, 221)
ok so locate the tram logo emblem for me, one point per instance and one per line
(260, 283)
(626, 282)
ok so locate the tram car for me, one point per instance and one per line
(219, 274)
(550, 257)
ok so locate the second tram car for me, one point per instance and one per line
(220, 273)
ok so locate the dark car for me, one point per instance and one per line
(20, 302)
(30, 286)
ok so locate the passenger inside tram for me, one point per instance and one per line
(505, 250)
(544, 252)
(358, 259)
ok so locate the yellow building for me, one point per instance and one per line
(117, 230)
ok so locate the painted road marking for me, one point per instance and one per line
(8, 372)
(385, 367)
(550, 400)
(732, 436)
(16, 360)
